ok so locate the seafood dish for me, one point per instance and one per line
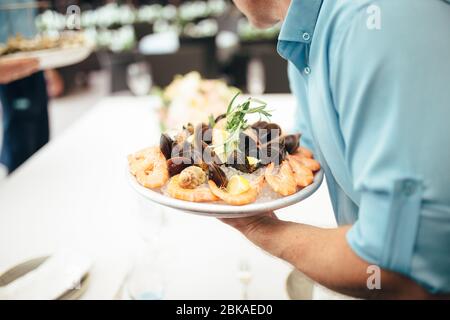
(190, 98)
(19, 43)
(227, 160)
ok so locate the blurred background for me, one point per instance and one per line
(209, 36)
(140, 46)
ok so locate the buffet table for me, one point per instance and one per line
(74, 194)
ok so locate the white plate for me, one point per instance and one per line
(54, 58)
(223, 210)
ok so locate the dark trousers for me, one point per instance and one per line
(25, 119)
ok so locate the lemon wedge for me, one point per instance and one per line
(238, 185)
(219, 137)
(252, 161)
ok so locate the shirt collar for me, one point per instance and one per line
(300, 21)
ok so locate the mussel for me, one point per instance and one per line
(266, 131)
(166, 144)
(178, 164)
(239, 161)
(274, 151)
(222, 116)
(184, 149)
(202, 133)
(292, 142)
(209, 156)
(259, 125)
(217, 175)
(247, 145)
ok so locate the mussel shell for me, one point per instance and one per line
(166, 145)
(184, 150)
(239, 161)
(201, 135)
(271, 132)
(217, 175)
(259, 125)
(222, 116)
(209, 156)
(266, 132)
(292, 142)
(274, 151)
(247, 145)
(178, 164)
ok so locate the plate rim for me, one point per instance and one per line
(224, 210)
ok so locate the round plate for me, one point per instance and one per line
(54, 58)
(224, 210)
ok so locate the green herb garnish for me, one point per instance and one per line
(236, 119)
(211, 120)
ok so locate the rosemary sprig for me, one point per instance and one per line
(236, 119)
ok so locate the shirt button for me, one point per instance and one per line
(409, 188)
(306, 36)
(307, 70)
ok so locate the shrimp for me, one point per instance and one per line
(199, 194)
(247, 197)
(281, 179)
(136, 160)
(150, 167)
(303, 176)
(309, 163)
(305, 152)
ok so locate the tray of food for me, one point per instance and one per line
(51, 51)
(228, 167)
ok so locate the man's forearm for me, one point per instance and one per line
(325, 256)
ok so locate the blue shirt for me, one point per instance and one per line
(373, 83)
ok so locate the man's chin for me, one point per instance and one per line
(260, 24)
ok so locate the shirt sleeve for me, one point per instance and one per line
(391, 90)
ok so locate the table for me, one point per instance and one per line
(73, 194)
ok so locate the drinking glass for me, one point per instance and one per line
(256, 81)
(146, 280)
(139, 78)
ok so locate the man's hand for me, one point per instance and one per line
(16, 69)
(260, 230)
(325, 256)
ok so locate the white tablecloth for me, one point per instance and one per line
(73, 194)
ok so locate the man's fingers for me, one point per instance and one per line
(246, 225)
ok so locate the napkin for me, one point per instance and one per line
(58, 274)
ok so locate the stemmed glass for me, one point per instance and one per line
(139, 78)
(146, 280)
(244, 276)
(256, 81)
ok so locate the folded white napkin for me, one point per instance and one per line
(60, 273)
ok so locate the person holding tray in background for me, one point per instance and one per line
(372, 79)
(23, 92)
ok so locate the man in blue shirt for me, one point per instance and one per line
(373, 83)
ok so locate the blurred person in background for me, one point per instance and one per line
(372, 80)
(23, 92)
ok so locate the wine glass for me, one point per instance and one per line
(256, 80)
(244, 276)
(139, 78)
(146, 280)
